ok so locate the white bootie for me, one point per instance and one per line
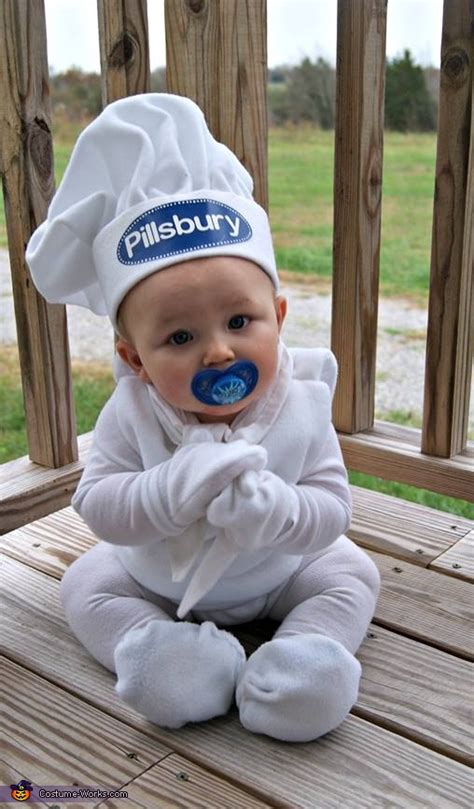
(174, 673)
(297, 688)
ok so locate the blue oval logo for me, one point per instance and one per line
(181, 227)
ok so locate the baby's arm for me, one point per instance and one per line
(260, 510)
(127, 505)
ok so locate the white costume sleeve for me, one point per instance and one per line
(259, 509)
(127, 505)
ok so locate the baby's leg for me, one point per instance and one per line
(303, 683)
(171, 672)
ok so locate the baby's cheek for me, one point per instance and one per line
(176, 386)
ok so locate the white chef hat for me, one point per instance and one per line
(147, 186)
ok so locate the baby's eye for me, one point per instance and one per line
(179, 338)
(238, 322)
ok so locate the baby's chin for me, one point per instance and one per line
(216, 415)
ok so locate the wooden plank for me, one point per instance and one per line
(70, 737)
(449, 345)
(216, 54)
(360, 80)
(8, 775)
(176, 781)
(426, 605)
(34, 633)
(418, 691)
(407, 687)
(458, 560)
(29, 491)
(26, 166)
(124, 50)
(399, 528)
(393, 453)
(50, 544)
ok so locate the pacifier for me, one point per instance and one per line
(227, 387)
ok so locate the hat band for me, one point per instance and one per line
(181, 226)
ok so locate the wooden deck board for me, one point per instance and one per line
(36, 636)
(78, 743)
(458, 560)
(407, 742)
(426, 605)
(176, 781)
(404, 688)
(402, 529)
(81, 745)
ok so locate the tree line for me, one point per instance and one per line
(301, 93)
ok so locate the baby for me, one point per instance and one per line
(215, 481)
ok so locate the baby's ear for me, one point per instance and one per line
(130, 355)
(281, 306)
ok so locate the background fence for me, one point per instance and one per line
(216, 55)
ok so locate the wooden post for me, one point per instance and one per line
(124, 51)
(449, 340)
(26, 165)
(357, 207)
(216, 54)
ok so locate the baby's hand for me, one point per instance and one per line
(254, 510)
(198, 473)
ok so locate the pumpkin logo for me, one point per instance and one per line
(21, 791)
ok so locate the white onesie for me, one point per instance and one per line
(124, 492)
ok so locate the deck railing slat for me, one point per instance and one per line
(361, 28)
(216, 54)
(124, 50)
(26, 166)
(449, 339)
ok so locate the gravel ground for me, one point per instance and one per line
(400, 352)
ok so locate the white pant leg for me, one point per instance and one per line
(172, 672)
(333, 593)
(302, 683)
(103, 602)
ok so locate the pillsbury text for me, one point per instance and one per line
(181, 227)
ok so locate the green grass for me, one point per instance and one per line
(461, 508)
(301, 165)
(92, 385)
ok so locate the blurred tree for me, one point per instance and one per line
(409, 106)
(76, 95)
(311, 91)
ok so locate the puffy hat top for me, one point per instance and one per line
(146, 186)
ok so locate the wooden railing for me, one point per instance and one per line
(216, 54)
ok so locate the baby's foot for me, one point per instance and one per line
(174, 673)
(297, 688)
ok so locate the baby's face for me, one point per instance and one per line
(202, 314)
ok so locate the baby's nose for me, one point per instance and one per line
(217, 352)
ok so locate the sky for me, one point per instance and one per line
(296, 29)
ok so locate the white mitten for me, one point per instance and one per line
(255, 509)
(198, 472)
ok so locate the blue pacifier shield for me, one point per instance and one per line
(225, 387)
